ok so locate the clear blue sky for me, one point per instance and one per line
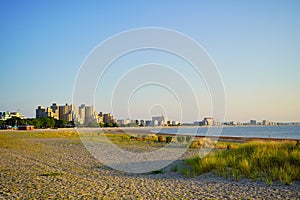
(255, 45)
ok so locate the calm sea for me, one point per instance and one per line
(282, 132)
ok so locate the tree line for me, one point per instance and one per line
(50, 122)
(46, 122)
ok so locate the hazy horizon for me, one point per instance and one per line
(254, 44)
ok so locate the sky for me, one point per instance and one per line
(254, 44)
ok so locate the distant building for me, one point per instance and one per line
(90, 115)
(49, 112)
(40, 112)
(208, 121)
(199, 123)
(253, 122)
(265, 123)
(124, 122)
(7, 115)
(233, 123)
(55, 110)
(161, 121)
(108, 118)
(100, 118)
(67, 112)
(148, 123)
(175, 123)
(52, 111)
(4, 115)
(81, 114)
(120, 122)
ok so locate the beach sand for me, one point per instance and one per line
(61, 168)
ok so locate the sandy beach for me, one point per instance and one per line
(61, 168)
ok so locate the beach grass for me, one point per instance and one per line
(272, 161)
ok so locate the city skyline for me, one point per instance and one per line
(84, 114)
(254, 44)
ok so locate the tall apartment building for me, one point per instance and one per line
(108, 118)
(67, 112)
(52, 111)
(90, 114)
(100, 117)
(40, 112)
(81, 114)
(87, 114)
(55, 110)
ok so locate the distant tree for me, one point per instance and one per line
(108, 125)
(111, 124)
(12, 121)
(37, 123)
(60, 123)
(71, 124)
(132, 125)
(169, 139)
(48, 122)
(29, 121)
(160, 138)
(93, 124)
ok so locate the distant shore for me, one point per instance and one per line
(220, 138)
(155, 130)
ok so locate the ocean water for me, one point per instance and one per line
(281, 132)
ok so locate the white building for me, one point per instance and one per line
(90, 114)
(161, 121)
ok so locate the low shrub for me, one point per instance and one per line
(169, 139)
(188, 138)
(202, 143)
(181, 139)
(160, 138)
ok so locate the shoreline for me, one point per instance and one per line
(219, 138)
(240, 139)
(148, 130)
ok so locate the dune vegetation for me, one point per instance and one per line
(272, 161)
